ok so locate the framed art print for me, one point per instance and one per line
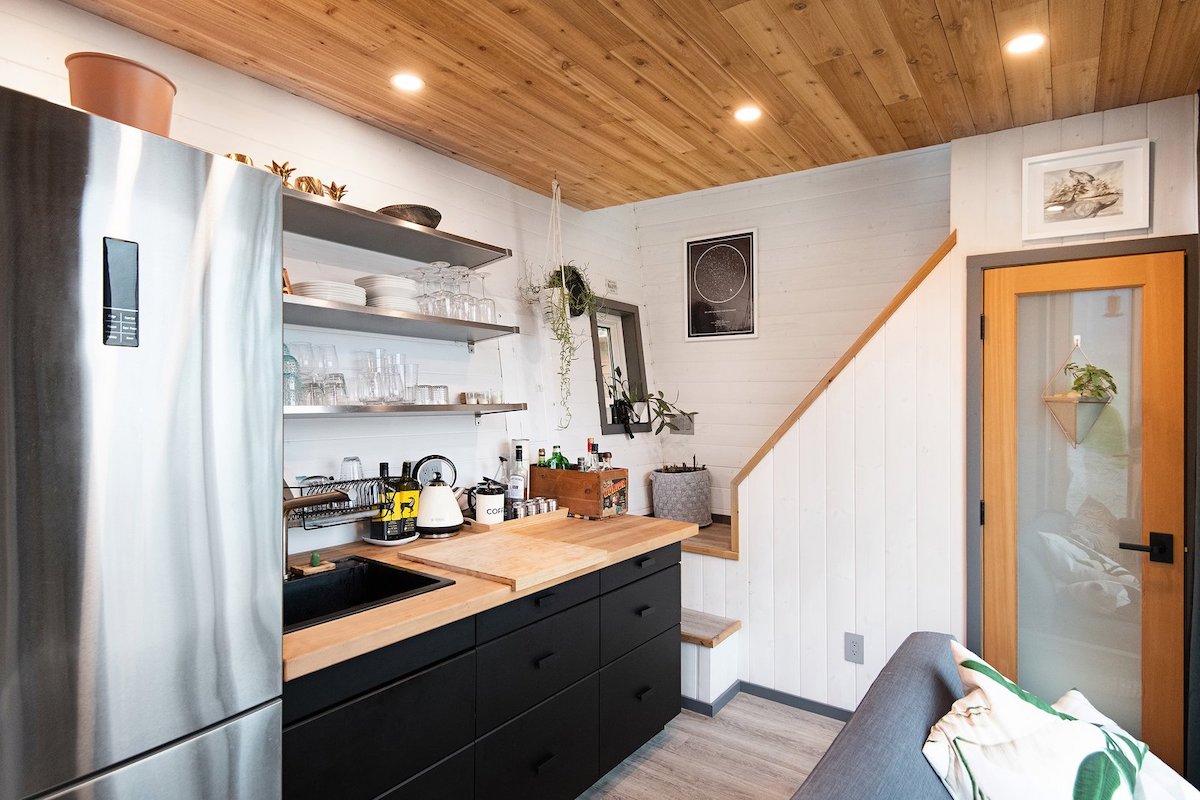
(722, 287)
(1091, 190)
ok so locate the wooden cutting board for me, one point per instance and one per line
(520, 561)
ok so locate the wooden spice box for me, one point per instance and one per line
(594, 495)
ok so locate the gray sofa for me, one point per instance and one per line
(878, 753)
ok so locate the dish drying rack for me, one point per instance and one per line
(366, 501)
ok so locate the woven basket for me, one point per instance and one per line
(682, 496)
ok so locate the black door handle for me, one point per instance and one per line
(645, 612)
(544, 764)
(546, 659)
(647, 562)
(644, 693)
(1161, 547)
(544, 600)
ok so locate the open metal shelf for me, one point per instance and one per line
(326, 412)
(315, 313)
(321, 218)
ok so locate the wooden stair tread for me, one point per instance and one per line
(713, 540)
(706, 630)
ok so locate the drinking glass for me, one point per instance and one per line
(395, 378)
(424, 395)
(351, 470)
(303, 353)
(410, 382)
(441, 394)
(443, 297)
(486, 305)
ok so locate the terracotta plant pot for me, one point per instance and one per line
(121, 90)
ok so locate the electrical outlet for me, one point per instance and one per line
(854, 648)
(610, 286)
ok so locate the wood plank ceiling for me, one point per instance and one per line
(632, 99)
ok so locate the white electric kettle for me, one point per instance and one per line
(438, 514)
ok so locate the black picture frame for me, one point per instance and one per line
(721, 287)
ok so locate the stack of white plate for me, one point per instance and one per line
(331, 290)
(389, 291)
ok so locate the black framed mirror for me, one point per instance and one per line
(617, 344)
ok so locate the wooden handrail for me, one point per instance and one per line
(835, 370)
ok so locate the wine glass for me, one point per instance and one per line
(462, 304)
(486, 306)
(423, 292)
(312, 393)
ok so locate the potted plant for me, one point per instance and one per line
(682, 492)
(1077, 410)
(625, 401)
(679, 491)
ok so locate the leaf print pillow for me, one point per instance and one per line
(1000, 742)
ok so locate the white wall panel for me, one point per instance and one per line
(785, 556)
(871, 395)
(814, 600)
(834, 246)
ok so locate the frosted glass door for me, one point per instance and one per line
(1070, 482)
(1079, 597)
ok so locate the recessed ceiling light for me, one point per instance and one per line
(748, 113)
(407, 82)
(1025, 43)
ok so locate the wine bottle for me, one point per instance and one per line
(405, 497)
(518, 476)
(558, 460)
(541, 462)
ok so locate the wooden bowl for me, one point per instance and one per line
(421, 215)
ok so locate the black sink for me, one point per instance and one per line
(355, 584)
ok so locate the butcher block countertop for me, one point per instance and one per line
(311, 649)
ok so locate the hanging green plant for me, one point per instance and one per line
(563, 292)
(626, 399)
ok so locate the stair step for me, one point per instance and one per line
(707, 630)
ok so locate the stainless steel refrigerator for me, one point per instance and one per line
(140, 450)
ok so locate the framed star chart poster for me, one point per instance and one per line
(722, 287)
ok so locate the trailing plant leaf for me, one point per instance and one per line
(627, 398)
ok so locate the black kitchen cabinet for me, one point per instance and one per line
(639, 695)
(528, 665)
(367, 746)
(548, 752)
(637, 612)
(536, 698)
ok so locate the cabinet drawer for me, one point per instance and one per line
(631, 569)
(548, 753)
(320, 690)
(451, 778)
(367, 746)
(517, 671)
(531, 608)
(638, 612)
(639, 694)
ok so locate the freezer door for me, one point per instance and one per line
(238, 760)
(140, 454)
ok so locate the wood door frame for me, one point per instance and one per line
(1190, 246)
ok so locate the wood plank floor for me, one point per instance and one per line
(754, 749)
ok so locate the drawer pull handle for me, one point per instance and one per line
(546, 659)
(646, 563)
(545, 600)
(645, 612)
(644, 693)
(544, 764)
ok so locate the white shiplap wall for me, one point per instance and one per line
(834, 246)
(221, 111)
(855, 521)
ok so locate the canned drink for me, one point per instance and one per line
(519, 510)
(542, 508)
(551, 504)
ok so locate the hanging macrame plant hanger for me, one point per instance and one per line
(1074, 414)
